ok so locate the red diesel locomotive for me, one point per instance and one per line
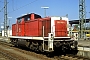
(41, 34)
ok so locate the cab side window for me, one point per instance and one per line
(26, 18)
(19, 20)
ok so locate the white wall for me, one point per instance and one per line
(9, 32)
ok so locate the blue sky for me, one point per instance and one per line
(56, 8)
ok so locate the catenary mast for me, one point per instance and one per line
(82, 20)
(5, 17)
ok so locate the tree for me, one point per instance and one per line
(76, 27)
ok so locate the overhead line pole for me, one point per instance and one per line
(45, 9)
(5, 18)
(82, 15)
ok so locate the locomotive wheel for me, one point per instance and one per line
(16, 43)
(41, 48)
(27, 44)
(31, 47)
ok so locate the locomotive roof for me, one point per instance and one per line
(28, 15)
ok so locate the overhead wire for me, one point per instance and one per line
(3, 7)
(1, 2)
(17, 8)
(13, 5)
(22, 6)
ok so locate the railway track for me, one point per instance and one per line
(7, 56)
(14, 53)
(70, 57)
(37, 56)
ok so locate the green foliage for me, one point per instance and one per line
(76, 27)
